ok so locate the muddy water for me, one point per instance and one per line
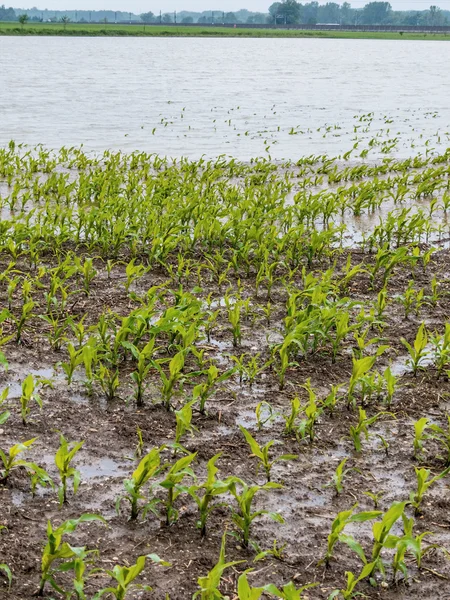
(245, 97)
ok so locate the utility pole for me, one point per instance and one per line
(160, 17)
(90, 16)
(212, 17)
(223, 18)
(130, 18)
(175, 16)
(115, 17)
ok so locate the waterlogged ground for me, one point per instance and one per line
(282, 98)
(208, 235)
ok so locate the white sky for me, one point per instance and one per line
(139, 6)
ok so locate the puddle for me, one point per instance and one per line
(105, 467)
(401, 365)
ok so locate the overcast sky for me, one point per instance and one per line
(139, 6)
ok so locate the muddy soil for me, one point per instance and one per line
(306, 501)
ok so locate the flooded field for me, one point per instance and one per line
(244, 98)
(248, 353)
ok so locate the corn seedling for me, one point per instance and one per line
(338, 476)
(352, 581)
(375, 497)
(172, 483)
(149, 467)
(75, 359)
(184, 422)
(108, 380)
(209, 585)
(417, 351)
(125, 576)
(203, 494)
(361, 367)
(244, 516)
(289, 591)
(60, 552)
(341, 520)
(203, 391)
(381, 534)
(423, 483)
(362, 427)
(262, 453)
(7, 572)
(63, 458)
(419, 436)
(143, 366)
(28, 395)
(176, 366)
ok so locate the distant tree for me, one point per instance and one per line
(148, 17)
(257, 19)
(7, 14)
(187, 20)
(435, 16)
(204, 19)
(287, 11)
(346, 14)
(23, 19)
(376, 13)
(329, 13)
(230, 17)
(167, 18)
(310, 13)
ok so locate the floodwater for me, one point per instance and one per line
(244, 97)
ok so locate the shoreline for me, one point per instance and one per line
(113, 30)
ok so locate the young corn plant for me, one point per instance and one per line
(423, 483)
(307, 426)
(418, 351)
(442, 437)
(348, 593)
(4, 416)
(149, 467)
(172, 483)
(133, 273)
(124, 577)
(361, 367)
(10, 462)
(209, 585)
(143, 366)
(203, 391)
(262, 453)
(108, 379)
(63, 458)
(362, 427)
(341, 520)
(203, 494)
(59, 556)
(28, 395)
(8, 574)
(420, 436)
(234, 316)
(75, 359)
(338, 476)
(381, 534)
(291, 418)
(176, 366)
(26, 315)
(289, 591)
(244, 516)
(184, 422)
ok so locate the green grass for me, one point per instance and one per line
(110, 29)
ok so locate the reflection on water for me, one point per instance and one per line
(245, 97)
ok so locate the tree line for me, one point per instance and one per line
(286, 12)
